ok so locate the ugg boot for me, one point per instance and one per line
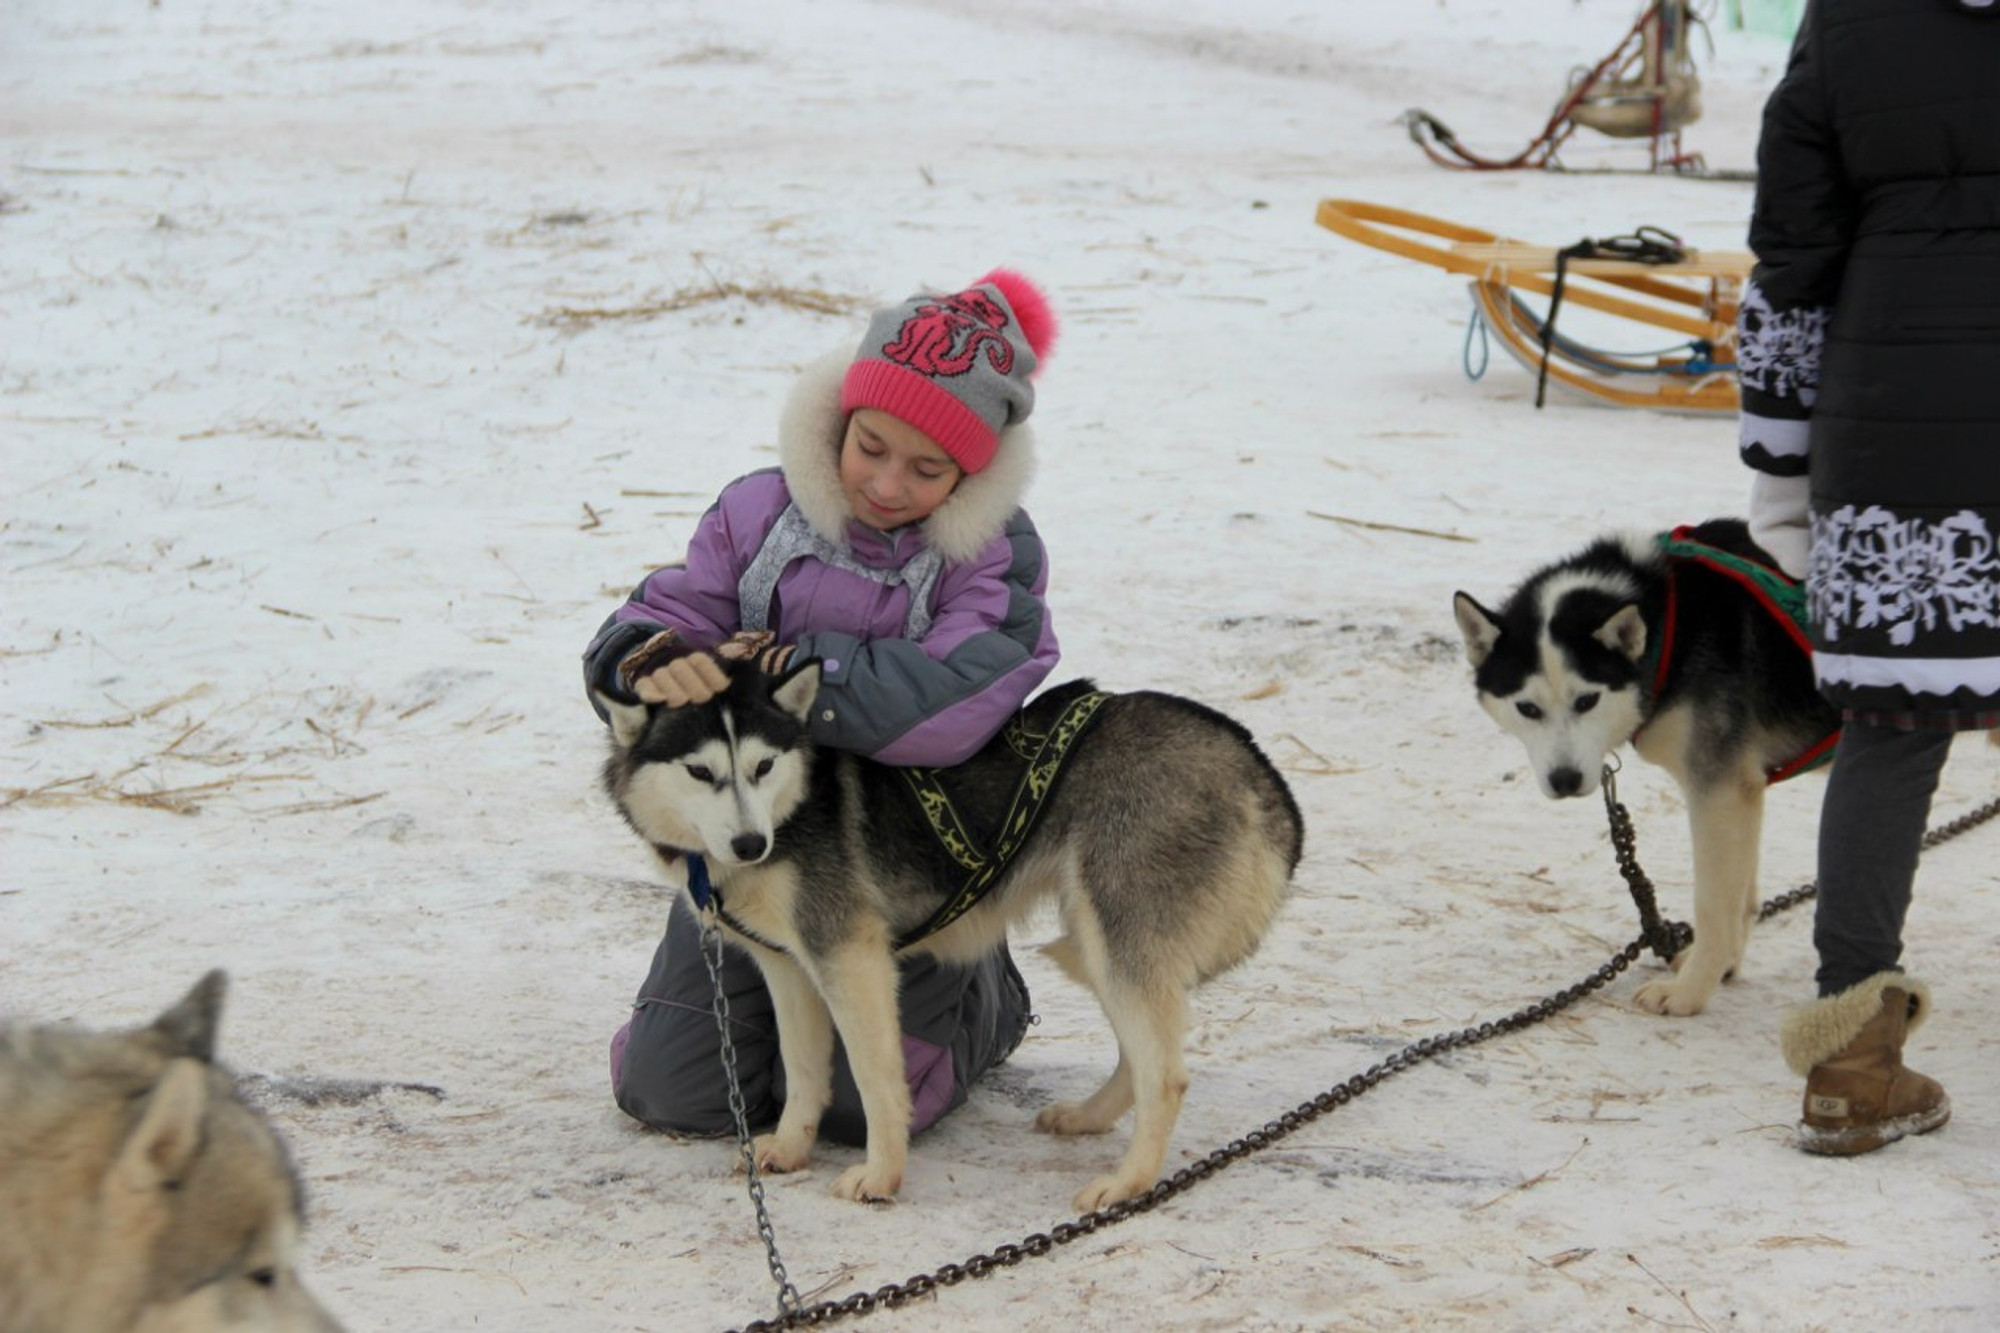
(1849, 1048)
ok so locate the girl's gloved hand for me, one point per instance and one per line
(663, 670)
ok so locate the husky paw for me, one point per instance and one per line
(1679, 998)
(1070, 1118)
(868, 1184)
(777, 1154)
(1107, 1190)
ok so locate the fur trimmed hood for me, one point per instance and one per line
(809, 437)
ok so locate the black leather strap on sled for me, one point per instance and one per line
(1646, 245)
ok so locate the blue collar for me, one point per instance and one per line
(698, 881)
(702, 890)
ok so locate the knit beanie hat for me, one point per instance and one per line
(958, 367)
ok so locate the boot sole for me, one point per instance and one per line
(1858, 1139)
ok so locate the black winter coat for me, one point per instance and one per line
(1870, 342)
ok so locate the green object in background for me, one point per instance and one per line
(1780, 18)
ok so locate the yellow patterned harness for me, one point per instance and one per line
(1044, 753)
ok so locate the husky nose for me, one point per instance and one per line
(748, 846)
(1565, 781)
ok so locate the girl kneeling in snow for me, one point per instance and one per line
(890, 544)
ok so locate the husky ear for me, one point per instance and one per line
(627, 720)
(798, 688)
(1625, 632)
(1477, 626)
(156, 1153)
(189, 1027)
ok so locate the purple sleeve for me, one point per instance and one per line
(698, 596)
(936, 702)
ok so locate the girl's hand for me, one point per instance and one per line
(664, 671)
(694, 679)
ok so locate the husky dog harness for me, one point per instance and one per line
(1041, 738)
(1782, 598)
(1043, 753)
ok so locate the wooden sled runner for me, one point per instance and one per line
(1693, 295)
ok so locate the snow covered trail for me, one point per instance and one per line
(358, 358)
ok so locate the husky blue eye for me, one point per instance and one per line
(1533, 712)
(700, 773)
(1585, 702)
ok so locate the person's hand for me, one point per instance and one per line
(1781, 521)
(756, 646)
(693, 679)
(663, 670)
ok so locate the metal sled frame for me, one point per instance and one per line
(1695, 298)
(1635, 74)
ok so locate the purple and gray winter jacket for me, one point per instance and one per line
(929, 636)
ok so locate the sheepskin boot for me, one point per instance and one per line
(1849, 1048)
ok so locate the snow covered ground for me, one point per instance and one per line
(355, 359)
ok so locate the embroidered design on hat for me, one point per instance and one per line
(946, 338)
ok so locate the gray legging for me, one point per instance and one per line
(1871, 828)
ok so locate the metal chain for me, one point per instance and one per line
(1666, 939)
(789, 1300)
(1037, 1244)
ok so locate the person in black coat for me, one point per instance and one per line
(1869, 354)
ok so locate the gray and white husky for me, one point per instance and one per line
(1619, 642)
(139, 1193)
(1166, 843)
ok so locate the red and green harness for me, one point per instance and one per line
(1783, 598)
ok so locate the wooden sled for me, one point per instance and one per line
(1694, 297)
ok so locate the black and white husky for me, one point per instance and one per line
(1624, 642)
(1166, 842)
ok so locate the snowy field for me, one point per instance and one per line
(356, 359)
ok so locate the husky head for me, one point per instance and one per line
(138, 1192)
(720, 777)
(1561, 666)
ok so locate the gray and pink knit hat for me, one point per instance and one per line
(958, 367)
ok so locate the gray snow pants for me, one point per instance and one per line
(666, 1062)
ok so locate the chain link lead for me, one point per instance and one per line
(1038, 1244)
(1666, 939)
(789, 1301)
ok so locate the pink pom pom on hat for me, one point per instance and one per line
(960, 366)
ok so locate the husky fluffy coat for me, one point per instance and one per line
(1166, 844)
(138, 1193)
(1565, 667)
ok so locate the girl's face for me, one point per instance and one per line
(892, 473)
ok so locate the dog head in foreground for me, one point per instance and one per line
(717, 777)
(138, 1192)
(1561, 665)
